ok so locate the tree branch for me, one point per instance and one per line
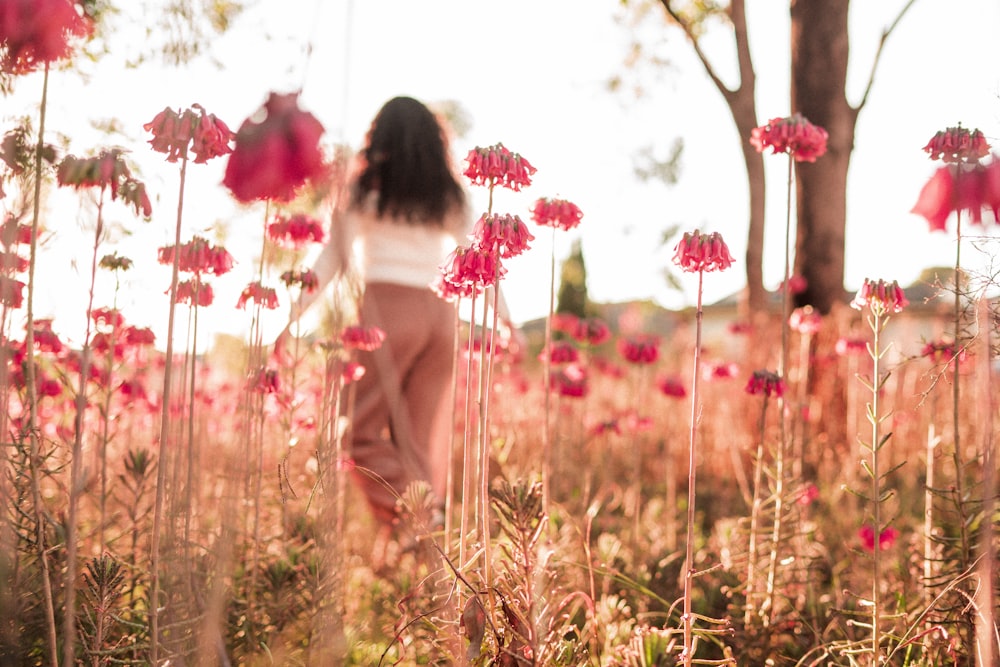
(878, 53)
(689, 32)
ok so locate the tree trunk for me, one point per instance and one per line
(819, 42)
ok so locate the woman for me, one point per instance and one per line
(406, 211)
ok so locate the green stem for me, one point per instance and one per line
(692, 462)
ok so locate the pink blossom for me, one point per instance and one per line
(275, 156)
(696, 252)
(886, 538)
(496, 165)
(506, 233)
(357, 337)
(957, 144)
(960, 187)
(591, 330)
(198, 256)
(560, 352)
(793, 135)
(35, 32)
(264, 297)
(880, 297)
(805, 321)
(570, 380)
(472, 265)
(672, 385)
(639, 349)
(306, 279)
(175, 132)
(767, 383)
(852, 345)
(295, 231)
(557, 213)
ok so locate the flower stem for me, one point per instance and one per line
(955, 396)
(547, 381)
(874, 417)
(692, 439)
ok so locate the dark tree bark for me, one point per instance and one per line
(820, 46)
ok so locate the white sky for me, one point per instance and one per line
(532, 74)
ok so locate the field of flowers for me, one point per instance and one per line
(786, 488)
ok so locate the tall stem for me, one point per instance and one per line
(75, 465)
(876, 488)
(692, 462)
(31, 389)
(955, 395)
(547, 381)
(161, 469)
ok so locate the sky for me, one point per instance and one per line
(533, 75)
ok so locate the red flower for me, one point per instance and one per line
(942, 351)
(560, 352)
(353, 371)
(639, 349)
(793, 135)
(805, 320)
(721, 370)
(696, 252)
(496, 165)
(142, 335)
(265, 297)
(105, 171)
(571, 381)
(506, 233)
(557, 213)
(672, 386)
(174, 132)
(880, 297)
(275, 156)
(46, 339)
(12, 232)
(11, 262)
(885, 539)
(472, 265)
(38, 31)
(592, 331)
(195, 293)
(960, 187)
(198, 256)
(764, 382)
(265, 381)
(957, 144)
(565, 322)
(450, 291)
(107, 317)
(366, 339)
(295, 231)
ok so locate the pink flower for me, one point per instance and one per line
(957, 144)
(942, 351)
(805, 321)
(12, 232)
(672, 386)
(450, 291)
(591, 330)
(767, 383)
(195, 293)
(139, 336)
(38, 31)
(571, 381)
(880, 297)
(696, 252)
(720, 370)
(366, 339)
(496, 165)
(808, 495)
(198, 256)
(506, 233)
(960, 187)
(557, 213)
(885, 539)
(264, 297)
(793, 135)
(560, 352)
(295, 231)
(173, 133)
(353, 371)
(11, 292)
(265, 381)
(639, 349)
(565, 322)
(277, 155)
(473, 265)
(107, 317)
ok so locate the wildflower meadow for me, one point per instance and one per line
(629, 487)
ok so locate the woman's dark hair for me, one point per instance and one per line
(405, 160)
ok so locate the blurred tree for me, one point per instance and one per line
(819, 42)
(572, 295)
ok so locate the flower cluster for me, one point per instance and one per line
(306, 279)
(295, 231)
(851, 345)
(767, 383)
(173, 132)
(639, 349)
(794, 135)
(696, 252)
(198, 256)
(556, 213)
(496, 165)
(263, 296)
(195, 292)
(960, 187)
(366, 339)
(275, 156)
(672, 386)
(957, 144)
(590, 330)
(560, 352)
(570, 380)
(507, 234)
(943, 351)
(35, 32)
(105, 171)
(472, 266)
(886, 538)
(880, 297)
